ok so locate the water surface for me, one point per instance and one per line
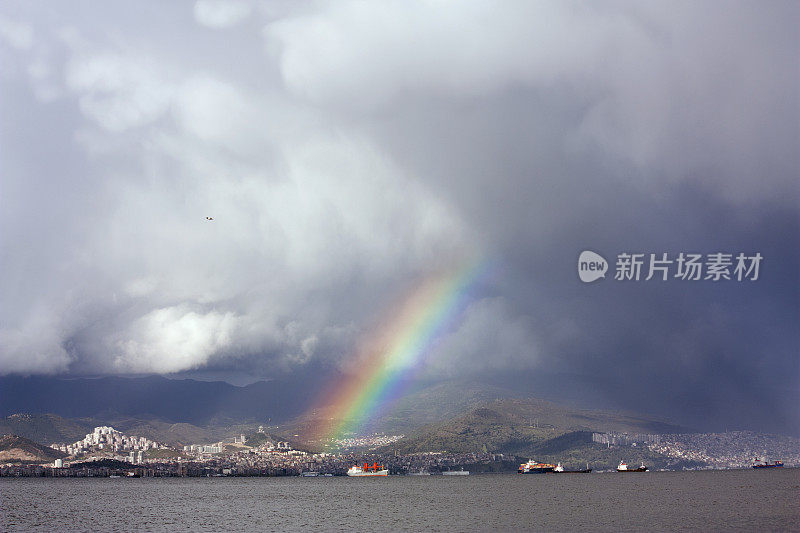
(747, 500)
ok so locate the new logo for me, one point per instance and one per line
(591, 266)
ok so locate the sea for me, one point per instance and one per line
(732, 500)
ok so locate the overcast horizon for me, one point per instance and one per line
(246, 190)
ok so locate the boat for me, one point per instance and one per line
(367, 470)
(764, 464)
(309, 474)
(560, 470)
(623, 467)
(420, 473)
(461, 472)
(534, 467)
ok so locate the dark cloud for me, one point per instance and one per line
(346, 150)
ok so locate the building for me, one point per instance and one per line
(107, 438)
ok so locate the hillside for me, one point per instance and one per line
(48, 429)
(16, 449)
(190, 411)
(174, 434)
(425, 404)
(178, 434)
(442, 401)
(519, 426)
(454, 416)
(45, 428)
(574, 450)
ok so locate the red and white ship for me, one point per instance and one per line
(367, 470)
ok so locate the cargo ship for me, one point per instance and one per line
(764, 464)
(367, 470)
(534, 467)
(623, 467)
(560, 470)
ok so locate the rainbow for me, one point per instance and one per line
(404, 340)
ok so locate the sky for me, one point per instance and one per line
(348, 150)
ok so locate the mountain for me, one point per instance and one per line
(45, 428)
(16, 449)
(519, 426)
(152, 397)
(178, 434)
(217, 403)
(452, 415)
(420, 405)
(437, 402)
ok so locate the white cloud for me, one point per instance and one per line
(43, 79)
(119, 92)
(16, 34)
(650, 83)
(36, 345)
(173, 339)
(298, 211)
(220, 14)
(365, 53)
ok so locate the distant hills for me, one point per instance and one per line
(45, 428)
(217, 403)
(49, 428)
(520, 426)
(418, 406)
(454, 417)
(534, 428)
(16, 449)
(434, 403)
(451, 416)
(153, 397)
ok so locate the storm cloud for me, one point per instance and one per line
(346, 150)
